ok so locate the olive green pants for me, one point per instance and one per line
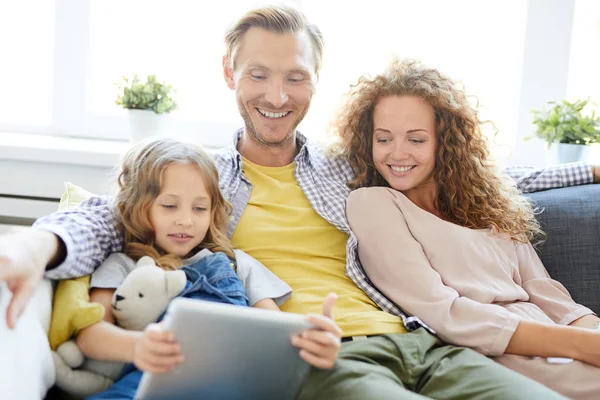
(417, 365)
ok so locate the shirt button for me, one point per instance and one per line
(245, 188)
(231, 218)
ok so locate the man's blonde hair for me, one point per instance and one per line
(277, 19)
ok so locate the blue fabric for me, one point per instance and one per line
(211, 278)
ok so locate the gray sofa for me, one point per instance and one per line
(571, 251)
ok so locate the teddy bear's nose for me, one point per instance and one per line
(119, 297)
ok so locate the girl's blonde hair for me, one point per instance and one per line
(471, 192)
(140, 180)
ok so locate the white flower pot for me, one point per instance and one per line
(562, 153)
(145, 123)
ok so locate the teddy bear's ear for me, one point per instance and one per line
(174, 282)
(146, 261)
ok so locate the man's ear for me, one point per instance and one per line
(228, 73)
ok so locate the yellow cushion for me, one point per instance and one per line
(73, 196)
(71, 308)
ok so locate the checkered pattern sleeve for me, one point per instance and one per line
(89, 234)
(534, 180)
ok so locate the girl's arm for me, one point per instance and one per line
(267, 304)
(154, 350)
(104, 340)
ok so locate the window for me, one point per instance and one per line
(69, 54)
(180, 42)
(478, 43)
(584, 63)
(26, 70)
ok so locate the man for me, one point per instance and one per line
(288, 202)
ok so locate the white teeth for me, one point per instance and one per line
(273, 115)
(400, 169)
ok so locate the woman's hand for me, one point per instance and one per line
(157, 351)
(319, 347)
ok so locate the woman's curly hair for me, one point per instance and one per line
(471, 191)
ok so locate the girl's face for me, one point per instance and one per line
(404, 142)
(181, 214)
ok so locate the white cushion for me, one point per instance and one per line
(26, 366)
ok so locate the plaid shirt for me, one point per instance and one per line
(90, 235)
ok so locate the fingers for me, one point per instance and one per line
(318, 342)
(158, 332)
(318, 348)
(7, 270)
(159, 363)
(158, 352)
(328, 305)
(316, 361)
(324, 323)
(21, 294)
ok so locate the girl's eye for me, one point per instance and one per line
(296, 80)
(257, 77)
(382, 140)
(168, 206)
(417, 141)
(199, 209)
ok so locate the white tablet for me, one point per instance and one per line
(231, 352)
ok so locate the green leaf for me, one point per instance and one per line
(567, 122)
(150, 94)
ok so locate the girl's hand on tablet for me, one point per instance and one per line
(319, 347)
(157, 351)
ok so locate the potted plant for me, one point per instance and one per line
(568, 128)
(147, 104)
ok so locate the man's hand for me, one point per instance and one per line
(157, 351)
(23, 260)
(319, 347)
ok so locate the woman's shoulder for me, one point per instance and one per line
(371, 196)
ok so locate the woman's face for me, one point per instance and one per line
(404, 141)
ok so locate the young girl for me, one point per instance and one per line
(447, 239)
(169, 207)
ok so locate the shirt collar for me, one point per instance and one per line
(301, 142)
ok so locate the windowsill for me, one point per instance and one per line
(60, 150)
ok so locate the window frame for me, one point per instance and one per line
(544, 77)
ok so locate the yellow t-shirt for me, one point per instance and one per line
(280, 228)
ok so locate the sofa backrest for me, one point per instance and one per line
(571, 252)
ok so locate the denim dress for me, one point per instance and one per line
(212, 278)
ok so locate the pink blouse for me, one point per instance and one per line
(472, 287)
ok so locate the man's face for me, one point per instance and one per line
(274, 81)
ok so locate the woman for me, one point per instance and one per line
(445, 237)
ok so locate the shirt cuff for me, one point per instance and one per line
(64, 270)
(507, 331)
(575, 314)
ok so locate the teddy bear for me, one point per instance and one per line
(140, 300)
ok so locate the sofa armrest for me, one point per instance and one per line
(571, 251)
